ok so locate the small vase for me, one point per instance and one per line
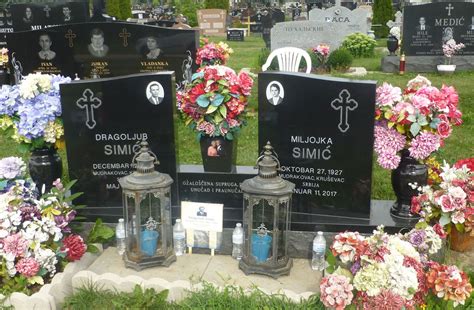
(409, 171)
(461, 241)
(45, 167)
(218, 154)
(392, 45)
(149, 242)
(446, 69)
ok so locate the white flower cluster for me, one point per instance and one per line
(47, 259)
(395, 31)
(433, 240)
(403, 280)
(34, 84)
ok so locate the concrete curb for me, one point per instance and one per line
(52, 295)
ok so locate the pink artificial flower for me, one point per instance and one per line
(28, 267)
(387, 140)
(223, 131)
(336, 291)
(424, 144)
(446, 204)
(444, 130)
(206, 127)
(388, 160)
(386, 300)
(418, 82)
(233, 123)
(387, 95)
(245, 82)
(450, 94)
(422, 103)
(439, 230)
(15, 244)
(58, 184)
(458, 217)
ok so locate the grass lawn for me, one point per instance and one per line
(459, 145)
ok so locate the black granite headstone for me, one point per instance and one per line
(427, 27)
(278, 16)
(105, 49)
(34, 16)
(6, 23)
(267, 25)
(322, 130)
(235, 35)
(104, 122)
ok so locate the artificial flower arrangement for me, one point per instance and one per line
(418, 119)
(384, 271)
(213, 53)
(30, 113)
(322, 53)
(214, 103)
(450, 48)
(451, 201)
(395, 32)
(3, 57)
(35, 233)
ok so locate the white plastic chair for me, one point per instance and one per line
(289, 59)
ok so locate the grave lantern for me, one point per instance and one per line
(146, 196)
(267, 202)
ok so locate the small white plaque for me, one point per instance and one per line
(202, 216)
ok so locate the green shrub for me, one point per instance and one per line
(262, 58)
(189, 9)
(216, 4)
(125, 9)
(112, 7)
(383, 12)
(359, 45)
(340, 59)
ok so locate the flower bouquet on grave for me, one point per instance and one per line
(450, 48)
(322, 53)
(409, 127)
(35, 233)
(213, 105)
(390, 270)
(449, 204)
(213, 54)
(30, 114)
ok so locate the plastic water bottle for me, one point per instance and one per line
(179, 236)
(120, 237)
(319, 250)
(237, 241)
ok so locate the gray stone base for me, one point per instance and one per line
(425, 63)
(271, 270)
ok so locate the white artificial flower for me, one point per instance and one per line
(47, 259)
(405, 248)
(402, 279)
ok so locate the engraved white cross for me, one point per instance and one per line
(343, 104)
(46, 10)
(88, 102)
(449, 8)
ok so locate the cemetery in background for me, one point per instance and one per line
(150, 115)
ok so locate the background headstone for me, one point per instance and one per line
(104, 122)
(322, 131)
(443, 21)
(212, 21)
(125, 49)
(235, 34)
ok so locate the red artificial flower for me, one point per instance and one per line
(74, 246)
(469, 162)
(439, 230)
(197, 91)
(246, 83)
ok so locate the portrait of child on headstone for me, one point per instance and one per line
(97, 48)
(45, 43)
(275, 93)
(67, 16)
(155, 93)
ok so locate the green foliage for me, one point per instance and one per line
(100, 233)
(262, 58)
(383, 12)
(359, 45)
(216, 4)
(189, 9)
(112, 7)
(340, 59)
(125, 9)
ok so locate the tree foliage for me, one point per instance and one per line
(383, 12)
(216, 4)
(112, 7)
(125, 9)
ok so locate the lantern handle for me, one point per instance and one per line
(268, 150)
(144, 148)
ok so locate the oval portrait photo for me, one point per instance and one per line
(155, 93)
(275, 93)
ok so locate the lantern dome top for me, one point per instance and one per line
(268, 181)
(145, 177)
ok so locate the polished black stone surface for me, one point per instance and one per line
(322, 131)
(104, 122)
(122, 49)
(235, 35)
(34, 16)
(427, 27)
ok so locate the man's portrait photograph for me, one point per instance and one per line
(97, 48)
(422, 24)
(67, 14)
(155, 93)
(275, 93)
(45, 42)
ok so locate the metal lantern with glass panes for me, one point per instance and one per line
(267, 203)
(146, 195)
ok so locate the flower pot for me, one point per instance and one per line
(261, 247)
(409, 171)
(45, 167)
(149, 242)
(218, 154)
(446, 69)
(392, 45)
(461, 241)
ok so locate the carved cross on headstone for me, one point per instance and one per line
(70, 36)
(88, 102)
(449, 8)
(344, 105)
(338, 2)
(125, 35)
(46, 10)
